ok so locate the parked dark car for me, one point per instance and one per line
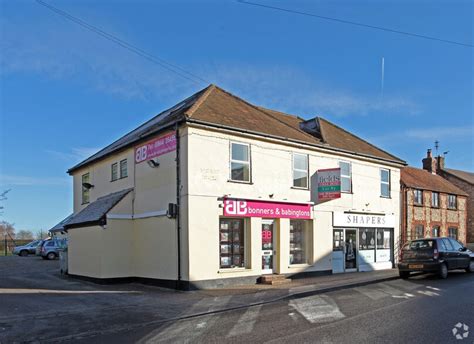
(27, 249)
(435, 255)
(48, 249)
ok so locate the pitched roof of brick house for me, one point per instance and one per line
(421, 179)
(217, 107)
(464, 175)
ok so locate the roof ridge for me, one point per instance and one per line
(321, 131)
(262, 110)
(367, 142)
(437, 176)
(207, 91)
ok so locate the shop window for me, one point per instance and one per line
(240, 162)
(452, 202)
(384, 245)
(384, 182)
(231, 243)
(300, 171)
(114, 172)
(123, 169)
(338, 240)
(366, 239)
(435, 232)
(346, 176)
(298, 241)
(453, 233)
(435, 199)
(85, 191)
(419, 231)
(418, 197)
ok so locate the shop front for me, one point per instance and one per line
(362, 242)
(281, 234)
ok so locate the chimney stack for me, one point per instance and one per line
(429, 163)
(440, 163)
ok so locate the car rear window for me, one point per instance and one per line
(420, 245)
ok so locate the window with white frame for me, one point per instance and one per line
(452, 202)
(300, 171)
(346, 182)
(85, 179)
(384, 182)
(240, 162)
(435, 199)
(123, 169)
(114, 171)
(418, 196)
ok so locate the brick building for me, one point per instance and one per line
(431, 205)
(465, 181)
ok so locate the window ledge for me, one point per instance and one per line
(239, 182)
(294, 266)
(231, 270)
(386, 197)
(418, 205)
(297, 188)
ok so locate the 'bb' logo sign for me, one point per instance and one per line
(232, 207)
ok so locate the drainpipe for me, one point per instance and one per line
(178, 203)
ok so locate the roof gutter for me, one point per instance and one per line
(322, 146)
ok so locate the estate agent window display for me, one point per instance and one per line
(231, 243)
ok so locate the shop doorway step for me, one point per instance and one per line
(274, 279)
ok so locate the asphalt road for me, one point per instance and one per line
(422, 309)
(37, 305)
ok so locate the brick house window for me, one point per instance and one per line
(418, 197)
(419, 231)
(435, 199)
(452, 202)
(435, 232)
(453, 233)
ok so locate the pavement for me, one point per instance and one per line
(54, 308)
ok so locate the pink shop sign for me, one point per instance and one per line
(156, 147)
(248, 208)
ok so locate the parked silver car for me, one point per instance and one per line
(48, 249)
(25, 250)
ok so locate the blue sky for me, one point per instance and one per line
(66, 92)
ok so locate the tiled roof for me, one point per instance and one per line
(95, 212)
(464, 175)
(421, 179)
(215, 106)
(60, 226)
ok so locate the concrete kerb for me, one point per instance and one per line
(290, 296)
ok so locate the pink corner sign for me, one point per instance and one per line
(247, 208)
(155, 148)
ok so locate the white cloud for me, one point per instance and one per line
(76, 154)
(11, 180)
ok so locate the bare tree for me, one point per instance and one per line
(24, 235)
(7, 229)
(41, 234)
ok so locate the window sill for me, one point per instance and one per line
(239, 182)
(85, 203)
(452, 208)
(433, 207)
(114, 180)
(298, 188)
(231, 270)
(295, 266)
(418, 205)
(386, 197)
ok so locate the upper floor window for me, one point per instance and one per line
(384, 182)
(123, 168)
(452, 202)
(418, 196)
(85, 191)
(453, 233)
(300, 170)
(435, 199)
(240, 162)
(346, 182)
(114, 171)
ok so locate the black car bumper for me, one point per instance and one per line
(420, 266)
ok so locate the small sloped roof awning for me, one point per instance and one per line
(94, 214)
(60, 226)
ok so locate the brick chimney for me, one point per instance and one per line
(429, 163)
(440, 163)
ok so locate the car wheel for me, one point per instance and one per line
(51, 255)
(471, 266)
(23, 253)
(443, 271)
(404, 274)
